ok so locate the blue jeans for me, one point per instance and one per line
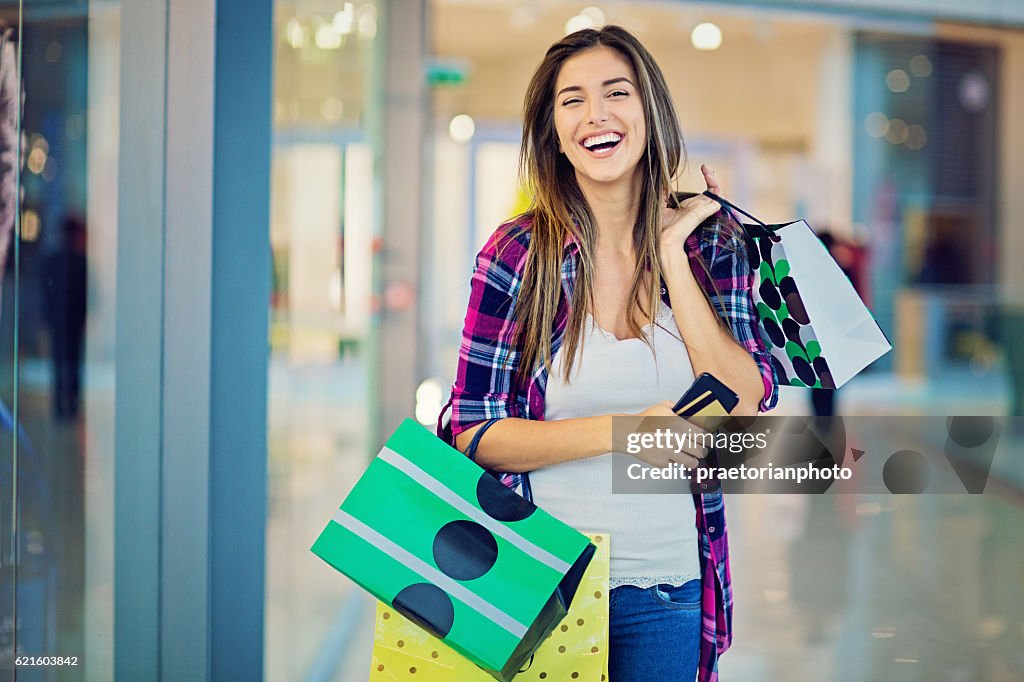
(654, 633)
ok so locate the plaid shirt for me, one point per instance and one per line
(488, 359)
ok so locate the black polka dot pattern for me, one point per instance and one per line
(462, 550)
(803, 370)
(792, 331)
(794, 303)
(783, 298)
(500, 503)
(465, 550)
(428, 606)
(770, 294)
(774, 333)
(824, 374)
(573, 652)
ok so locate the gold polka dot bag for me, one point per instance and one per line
(576, 650)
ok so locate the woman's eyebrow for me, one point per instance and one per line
(611, 81)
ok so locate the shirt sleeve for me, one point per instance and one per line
(734, 302)
(488, 356)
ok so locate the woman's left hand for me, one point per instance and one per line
(678, 223)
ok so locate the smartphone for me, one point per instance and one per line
(706, 397)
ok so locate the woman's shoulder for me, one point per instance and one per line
(720, 237)
(510, 242)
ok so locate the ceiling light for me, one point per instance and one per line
(706, 36)
(462, 128)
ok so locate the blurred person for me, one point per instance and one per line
(607, 297)
(66, 303)
(943, 261)
(9, 103)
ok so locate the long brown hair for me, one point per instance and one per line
(560, 210)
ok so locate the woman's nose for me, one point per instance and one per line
(598, 111)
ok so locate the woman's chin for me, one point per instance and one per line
(605, 177)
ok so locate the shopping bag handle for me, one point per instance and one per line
(471, 453)
(475, 441)
(727, 204)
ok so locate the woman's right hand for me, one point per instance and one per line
(689, 454)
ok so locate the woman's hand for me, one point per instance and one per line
(688, 452)
(678, 223)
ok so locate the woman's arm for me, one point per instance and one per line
(524, 445)
(519, 445)
(711, 347)
(735, 354)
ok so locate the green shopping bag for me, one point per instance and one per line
(453, 550)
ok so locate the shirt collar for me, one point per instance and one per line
(571, 244)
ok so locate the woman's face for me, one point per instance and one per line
(599, 117)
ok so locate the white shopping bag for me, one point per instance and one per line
(818, 330)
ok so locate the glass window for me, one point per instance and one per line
(322, 235)
(57, 249)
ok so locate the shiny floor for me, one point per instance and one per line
(839, 587)
(856, 587)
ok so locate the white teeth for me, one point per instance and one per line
(607, 137)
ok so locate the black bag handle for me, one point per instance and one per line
(727, 204)
(471, 453)
(471, 450)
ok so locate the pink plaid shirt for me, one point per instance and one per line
(489, 358)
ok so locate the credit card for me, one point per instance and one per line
(706, 397)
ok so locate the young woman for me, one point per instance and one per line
(603, 300)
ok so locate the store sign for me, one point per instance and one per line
(447, 72)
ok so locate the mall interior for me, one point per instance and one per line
(236, 240)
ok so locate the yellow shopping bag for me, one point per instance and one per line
(576, 650)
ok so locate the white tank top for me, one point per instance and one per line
(653, 536)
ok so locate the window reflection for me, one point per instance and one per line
(322, 234)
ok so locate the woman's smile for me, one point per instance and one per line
(602, 145)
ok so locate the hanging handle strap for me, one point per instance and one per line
(723, 202)
(471, 450)
(471, 453)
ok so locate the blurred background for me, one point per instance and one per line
(206, 332)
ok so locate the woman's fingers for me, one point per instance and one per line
(711, 179)
(679, 222)
(700, 207)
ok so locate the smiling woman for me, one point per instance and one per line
(606, 298)
(600, 121)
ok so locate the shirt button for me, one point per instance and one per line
(711, 529)
(663, 291)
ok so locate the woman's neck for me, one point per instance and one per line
(614, 207)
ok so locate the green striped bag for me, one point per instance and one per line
(453, 550)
